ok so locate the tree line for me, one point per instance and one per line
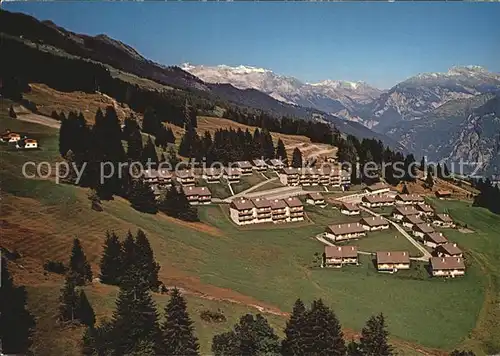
(489, 195)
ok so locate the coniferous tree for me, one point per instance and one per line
(374, 338)
(79, 268)
(177, 330)
(462, 353)
(296, 158)
(251, 336)
(84, 310)
(70, 176)
(323, 333)
(111, 260)
(172, 157)
(16, 323)
(129, 254)
(145, 260)
(12, 113)
(281, 151)
(174, 203)
(354, 349)
(429, 181)
(293, 344)
(134, 143)
(68, 300)
(149, 153)
(141, 197)
(135, 319)
(423, 163)
(405, 189)
(98, 341)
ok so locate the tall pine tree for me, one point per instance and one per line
(177, 330)
(293, 343)
(145, 260)
(111, 260)
(281, 151)
(296, 158)
(79, 268)
(374, 338)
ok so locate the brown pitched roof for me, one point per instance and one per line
(350, 207)
(436, 237)
(278, 204)
(393, 257)
(242, 204)
(377, 186)
(261, 203)
(450, 248)
(276, 162)
(379, 198)
(405, 210)
(259, 162)
(290, 170)
(315, 196)
(212, 171)
(447, 263)
(425, 228)
(409, 197)
(424, 208)
(341, 251)
(293, 202)
(153, 173)
(185, 173)
(374, 221)
(203, 191)
(444, 218)
(413, 219)
(346, 228)
(244, 164)
(30, 140)
(443, 193)
(232, 171)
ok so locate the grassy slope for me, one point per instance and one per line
(216, 253)
(483, 248)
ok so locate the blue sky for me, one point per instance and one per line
(380, 43)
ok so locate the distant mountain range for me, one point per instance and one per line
(336, 97)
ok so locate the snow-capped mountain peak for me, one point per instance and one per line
(332, 96)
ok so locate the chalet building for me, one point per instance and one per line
(245, 167)
(447, 266)
(279, 213)
(204, 195)
(421, 229)
(9, 136)
(377, 188)
(304, 176)
(337, 256)
(211, 175)
(349, 209)
(232, 175)
(409, 199)
(376, 201)
(289, 176)
(262, 210)
(424, 210)
(315, 198)
(242, 211)
(295, 209)
(374, 223)
(276, 164)
(443, 220)
(434, 239)
(197, 195)
(345, 231)
(186, 177)
(345, 179)
(392, 261)
(158, 178)
(400, 212)
(324, 177)
(411, 220)
(448, 249)
(312, 175)
(259, 165)
(27, 144)
(443, 194)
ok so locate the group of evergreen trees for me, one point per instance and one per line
(74, 305)
(134, 253)
(174, 203)
(228, 145)
(489, 195)
(395, 167)
(16, 322)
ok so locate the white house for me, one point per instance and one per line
(345, 231)
(392, 261)
(374, 223)
(447, 266)
(400, 212)
(443, 220)
(434, 239)
(421, 229)
(377, 188)
(349, 209)
(410, 220)
(315, 198)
